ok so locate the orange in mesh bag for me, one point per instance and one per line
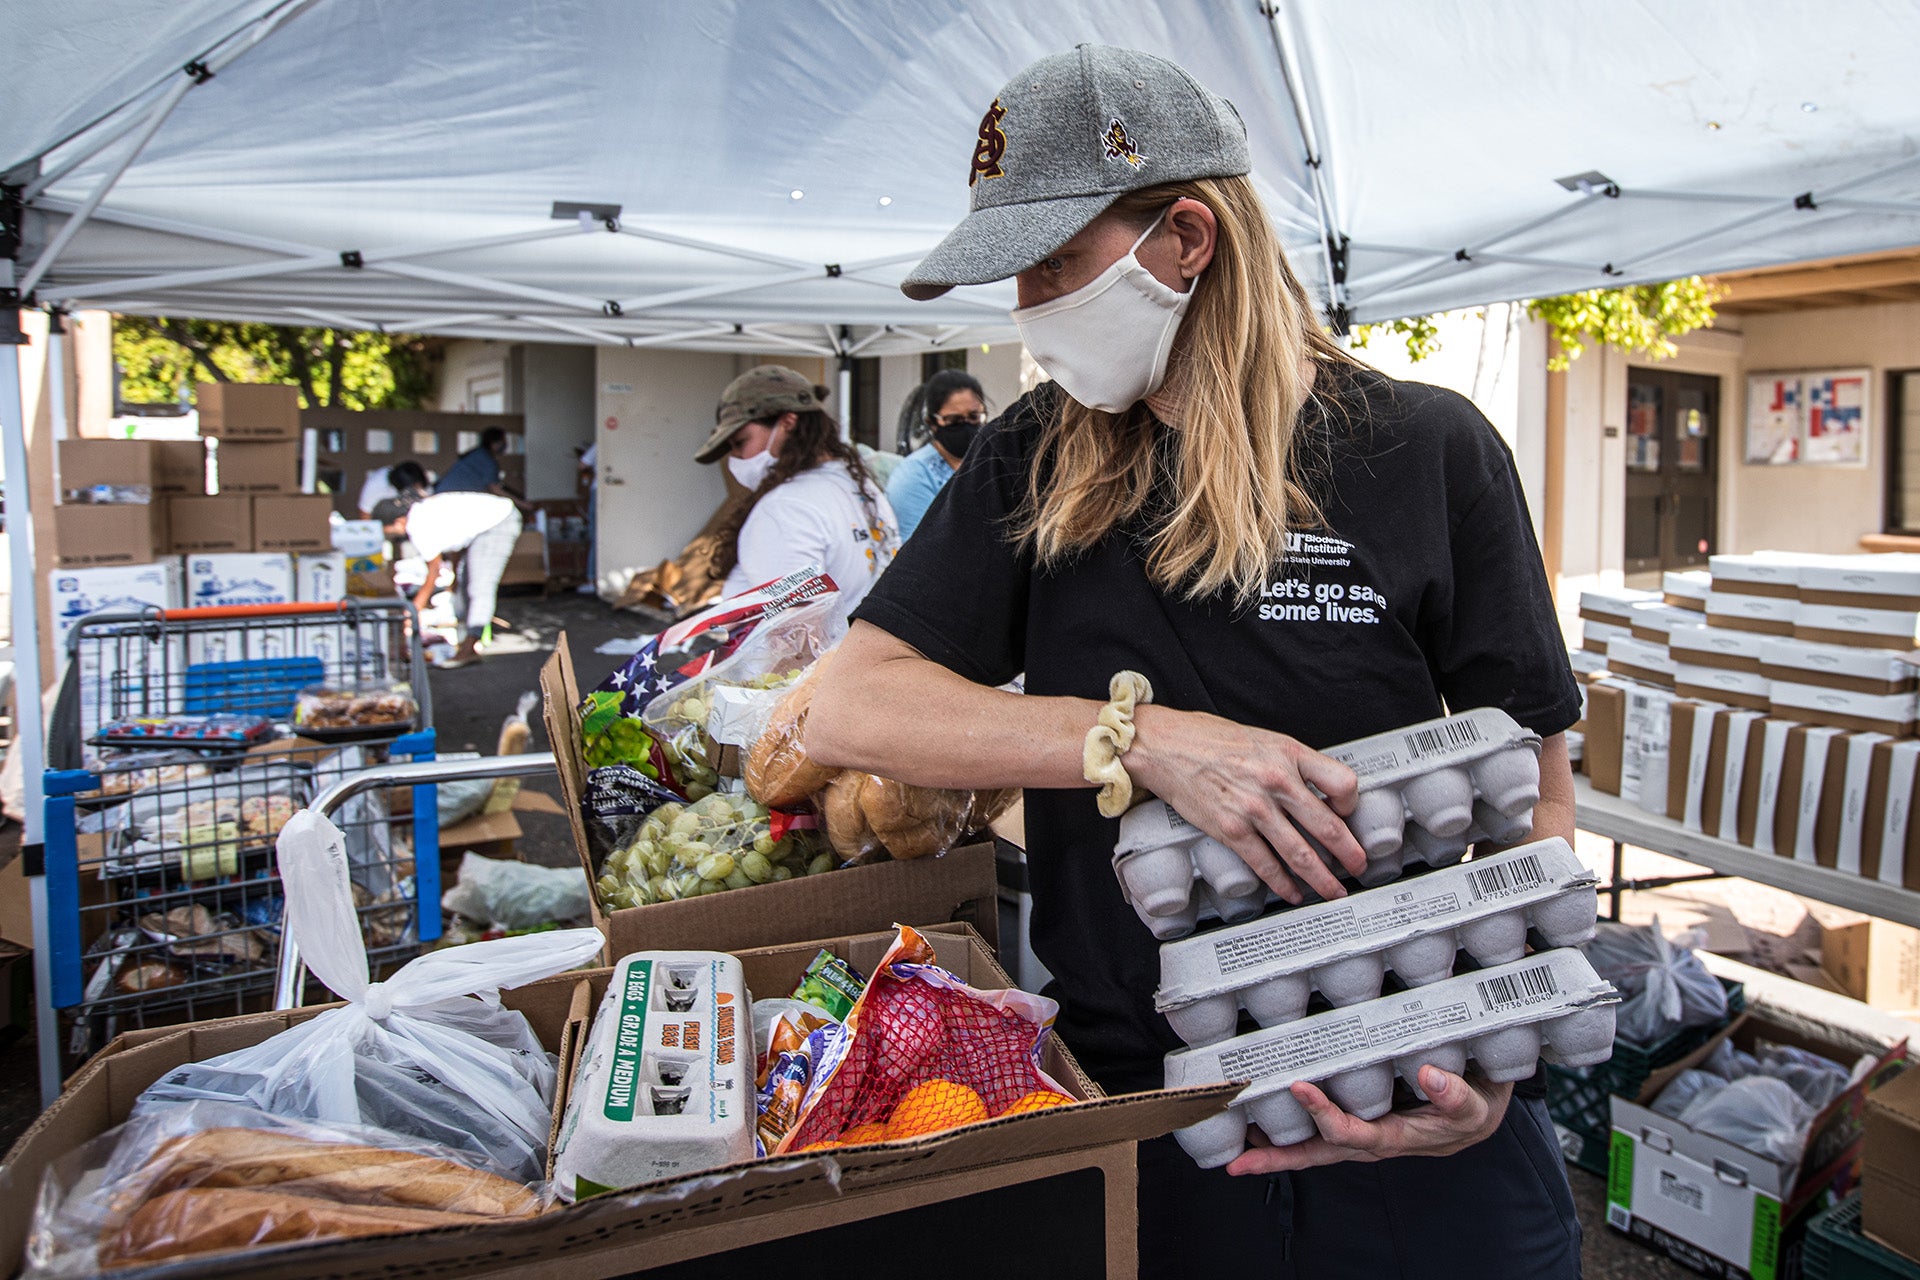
(921, 1052)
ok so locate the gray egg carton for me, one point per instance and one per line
(1550, 1005)
(1343, 949)
(1427, 792)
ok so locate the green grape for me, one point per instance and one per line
(642, 895)
(712, 886)
(781, 874)
(656, 860)
(685, 823)
(756, 867)
(661, 888)
(715, 866)
(820, 865)
(695, 790)
(738, 880)
(763, 843)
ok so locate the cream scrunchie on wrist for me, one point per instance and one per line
(1109, 739)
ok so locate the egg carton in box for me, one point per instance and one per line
(1342, 949)
(665, 1083)
(1550, 1005)
(1427, 792)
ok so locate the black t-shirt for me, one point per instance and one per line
(1423, 592)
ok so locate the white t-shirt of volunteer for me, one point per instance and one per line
(444, 522)
(377, 489)
(817, 518)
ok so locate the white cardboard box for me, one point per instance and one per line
(320, 576)
(72, 594)
(1889, 628)
(1739, 725)
(1730, 608)
(359, 538)
(1844, 708)
(238, 578)
(1773, 754)
(1864, 576)
(1853, 798)
(1727, 645)
(1781, 657)
(1652, 621)
(1643, 749)
(1616, 606)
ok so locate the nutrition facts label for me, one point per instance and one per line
(1315, 1042)
(1419, 1021)
(1286, 939)
(1406, 913)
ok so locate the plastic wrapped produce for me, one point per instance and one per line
(1757, 1113)
(1684, 1088)
(716, 843)
(517, 895)
(1665, 985)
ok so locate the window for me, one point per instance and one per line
(934, 361)
(1903, 458)
(484, 394)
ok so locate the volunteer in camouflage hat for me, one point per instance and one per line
(811, 502)
(1295, 551)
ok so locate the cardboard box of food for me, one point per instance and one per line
(87, 534)
(1073, 1167)
(1596, 636)
(1767, 615)
(1889, 713)
(319, 576)
(1890, 1165)
(1805, 768)
(1614, 607)
(1706, 646)
(1853, 625)
(360, 538)
(1836, 666)
(369, 576)
(180, 467)
(1717, 684)
(210, 524)
(120, 464)
(1874, 961)
(292, 522)
(527, 566)
(1843, 802)
(1640, 660)
(1686, 589)
(1759, 573)
(1889, 838)
(1866, 581)
(243, 466)
(75, 593)
(961, 885)
(248, 410)
(1729, 753)
(1760, 801)
(1717, 1207)
(1652, 621)
(1690, 735)
(1606, 711)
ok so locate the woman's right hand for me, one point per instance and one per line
(1241, 785)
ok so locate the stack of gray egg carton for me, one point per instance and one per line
(1427, 792)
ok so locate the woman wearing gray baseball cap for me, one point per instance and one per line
(1295, 551)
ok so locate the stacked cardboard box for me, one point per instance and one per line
(107, 513)
(1608, 615)
(254, 503)
(1686, 590)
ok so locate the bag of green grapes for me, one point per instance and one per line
(716, 843)
(768, 660)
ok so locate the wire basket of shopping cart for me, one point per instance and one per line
(187, 739)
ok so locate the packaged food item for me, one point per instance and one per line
(415, 1054)
(1343, 949)
(378, 705)
(223, 732)
(665, 1082)
(124, 772)
(778, 771)
(517, 895)
(616, 802)
(611, 725)
(1503, 1018)
(866, 815)
(831, 984)
(716, 843)
(1664, 985)
(922, 1052)
(211, 1177)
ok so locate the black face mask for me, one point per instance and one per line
(956, 437)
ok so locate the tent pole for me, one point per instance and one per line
(29, 725)
(1291, 74)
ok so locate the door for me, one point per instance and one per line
(1673, 425)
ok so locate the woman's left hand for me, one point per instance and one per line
(1461, 1112)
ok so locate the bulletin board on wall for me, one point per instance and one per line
(353, 442)
(1809, 418)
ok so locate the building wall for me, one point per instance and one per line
(557, 402)
(464, 361)
(652, 410)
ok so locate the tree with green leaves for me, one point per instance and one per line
(1643, 318)
(160, 358)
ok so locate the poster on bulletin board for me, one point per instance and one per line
(1773, 418)
(1836, 417)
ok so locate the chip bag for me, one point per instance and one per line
(922, 1052)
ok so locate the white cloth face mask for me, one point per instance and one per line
(1107, 342)
(752, 471)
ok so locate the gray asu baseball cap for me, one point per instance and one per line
(1064, 139)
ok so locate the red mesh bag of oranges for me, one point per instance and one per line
(922, 1052)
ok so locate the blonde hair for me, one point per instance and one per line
(1237, 473)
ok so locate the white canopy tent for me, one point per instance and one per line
(747, 174)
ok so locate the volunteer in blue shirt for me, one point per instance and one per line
(478, 469)
(955, 408)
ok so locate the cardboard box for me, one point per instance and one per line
(75, 593)
(292, 522)
(248, 410)
(1890, 1166)
(1644, 739)
(1853, 625)
(1760, 790)
(1760, 573)
(1839, 836)
(369, 576)
(527, 566)
(355, 538)
(1804, 784)
(1596, 636)
(1728, 753)
(1706, 646)
(1892, 713)
(211, 524)
(1606, 731)
(1869, 581)
(123, 464)
(239, 578)
(1652, 621)
(1640, 660)
(1874, 961)
(1889, 839)
(961, 885)
(1686, 590)
(109, 534)
(1836, 666)
(1766, 615)
(1714, 1206)
(180, 467)
(319, 576)
(1614, 607)
(1717, 684)
(1038, 1159)
(1690, 732)
(242, 466)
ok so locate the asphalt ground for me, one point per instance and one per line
(469, 705)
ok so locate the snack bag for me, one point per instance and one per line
(610, 715)
(415, 1054)
(921, 1052)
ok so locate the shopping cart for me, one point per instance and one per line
(163, 898)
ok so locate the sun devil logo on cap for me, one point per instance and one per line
(991, 146)
(1119, 144)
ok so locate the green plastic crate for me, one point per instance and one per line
(1577, 1097)
(1836, 1250)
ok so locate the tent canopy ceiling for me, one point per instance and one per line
(778, 166)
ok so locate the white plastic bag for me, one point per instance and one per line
(517, 895)
(1665, 985)
(430, 1052)
(1756, 1113)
